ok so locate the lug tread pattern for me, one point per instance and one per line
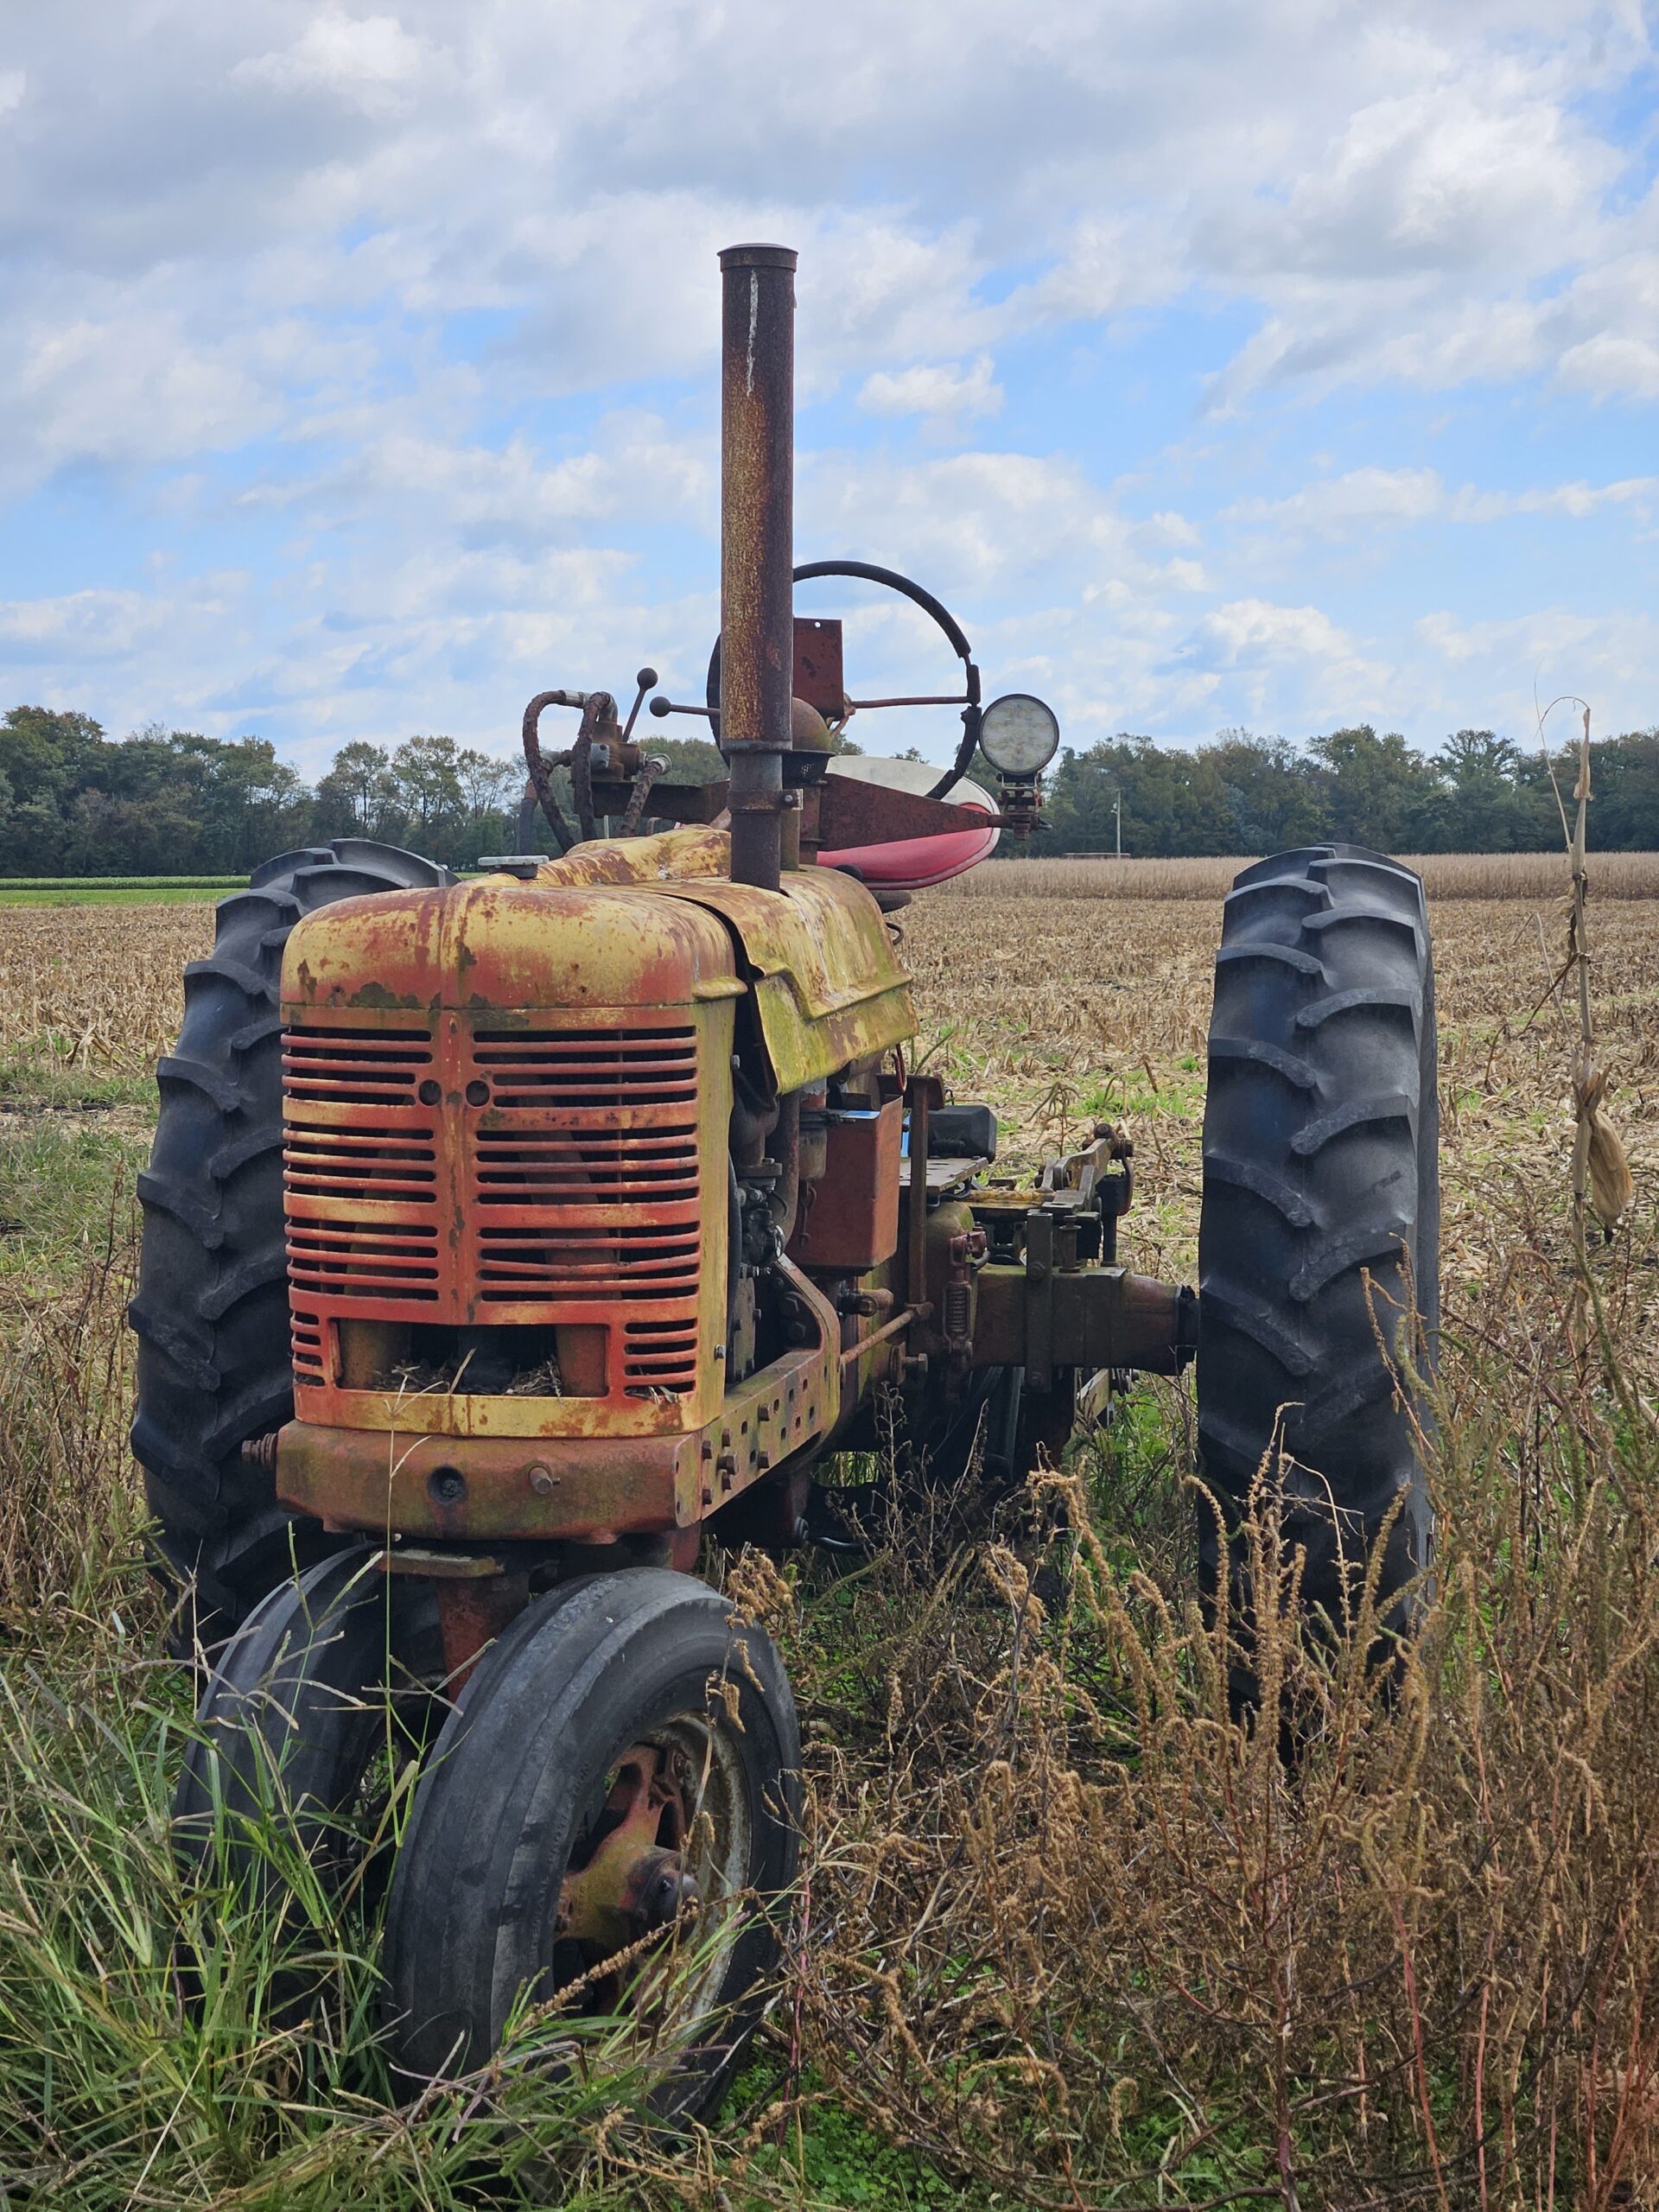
(211, 1313)
(1320, 1176)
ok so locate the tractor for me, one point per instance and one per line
(511, 1242)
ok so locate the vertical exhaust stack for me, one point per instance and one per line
(757, 517)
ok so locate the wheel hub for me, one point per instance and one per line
(634, 1880)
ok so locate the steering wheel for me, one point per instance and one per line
(967, 698)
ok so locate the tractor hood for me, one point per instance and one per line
(643, 921)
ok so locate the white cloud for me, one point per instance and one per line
(1516, 664)
(939, 388)
(393, 298)
(1609, 365)
(1339, 503)
(1363, 499)
(1254, 630)
(367, 60)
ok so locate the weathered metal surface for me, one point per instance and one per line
(636, 1880)
(472, 1611)
(672, 801)
(818, 676)
(852, 813)
(922, 1094)
(509, 1157)
(1038, 1316)
(756, 531)
(849, 1217)
(514, 949)
(482, 1489)
(1093, 1317)
(671, 855)
(828, 986)
(957, 1248)
(454, 1488)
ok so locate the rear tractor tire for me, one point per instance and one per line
(210, 1314)
(1319, 1258)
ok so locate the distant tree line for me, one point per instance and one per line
(1479, 793)
(74, 802)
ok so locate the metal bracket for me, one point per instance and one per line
(1040, 1300)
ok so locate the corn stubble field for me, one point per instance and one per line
(1065, 1937)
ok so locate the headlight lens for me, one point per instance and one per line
(1018, 735)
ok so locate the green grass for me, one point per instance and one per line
(158, 894)
(70, 1147)
(119, 883)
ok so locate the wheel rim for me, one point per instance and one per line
(663, 1859)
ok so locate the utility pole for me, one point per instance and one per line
(1117, 817)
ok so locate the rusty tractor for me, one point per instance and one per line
(508, 1239)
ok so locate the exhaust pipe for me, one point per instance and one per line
(757, 517)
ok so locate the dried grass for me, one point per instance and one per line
(96, 988)
(1447, 875)
(1064, 1931)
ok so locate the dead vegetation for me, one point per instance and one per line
(1447, 875)
(1066, 1937)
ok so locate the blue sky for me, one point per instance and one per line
(1281, 363)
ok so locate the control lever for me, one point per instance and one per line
(645, 678)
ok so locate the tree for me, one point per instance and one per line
(356, 798)
(46, 757)
(1377, 791)
(428, 785)
(1624, 776)
(1484, 808)
(1272, 797)
(489, 785)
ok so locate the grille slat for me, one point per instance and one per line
(355, 1067)
(588, 1185)
(356, 1163)
(305, 1335)
(594, 1067)
(577, 1171)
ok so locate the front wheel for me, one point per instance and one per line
(316, 1715)
(607, 1819)
(1319, 1258)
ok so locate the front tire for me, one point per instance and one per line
(637, 1677)
(1318, 1239)
(336, 1674)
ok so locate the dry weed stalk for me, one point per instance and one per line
(1601, 1173)
(1077, 1935)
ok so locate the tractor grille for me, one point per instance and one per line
(585, 1188)
(360, 1164)
(569, 1158)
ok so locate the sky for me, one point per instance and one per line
(1276, 362)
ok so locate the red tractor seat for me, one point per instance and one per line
(914, 863)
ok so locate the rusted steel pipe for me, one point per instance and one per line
(757, 508)
(564, 835)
